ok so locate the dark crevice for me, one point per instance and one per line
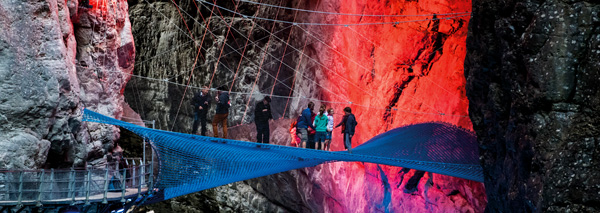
(402, 172)
(413, 183)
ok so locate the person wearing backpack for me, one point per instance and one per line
(320, 124)
(304, 122)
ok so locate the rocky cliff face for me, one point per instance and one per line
(169, 56)
(391, 75)
(532, 70)
(55, 59)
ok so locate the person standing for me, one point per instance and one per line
(222, 112)
(343, 124)
(329, 129)
(320, 124)
(201, 102)
(262, 114)
(304, 122)
(311, 132)
(350, 128)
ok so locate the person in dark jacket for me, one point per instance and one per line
(343, 125)
(201, 104)
(222, 112)
(304, 122)
(262, 114)
(349, 128)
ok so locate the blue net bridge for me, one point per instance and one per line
(191, 163)
(188, 163)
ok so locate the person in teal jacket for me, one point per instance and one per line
(320, 124)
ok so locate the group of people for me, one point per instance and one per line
(314, 130)
(201, 103)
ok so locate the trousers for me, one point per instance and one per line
(348, 142)
(220, 118)
(262, 132)
(199, 119)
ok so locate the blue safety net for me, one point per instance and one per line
(191, 163)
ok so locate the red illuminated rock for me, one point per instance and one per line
(414, 68)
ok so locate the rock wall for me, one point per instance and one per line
(532, 73)
(169, 51)
(391, 75)
(413, 69)
(55, 59)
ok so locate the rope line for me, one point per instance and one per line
(379, 46)
(280, 39)
(243, 52)
(289, 97)
(283, 62)
(229, 69)
(287, 43)
(447, 18)
(345, 14)
(316, 24)
(294, 81)
(184, 22)
(325, 67)
(195, 61)
(185, 90)
(359, 65)
(224, 42)
(212, 35)
(260, 66)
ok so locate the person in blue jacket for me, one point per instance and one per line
(304, 122)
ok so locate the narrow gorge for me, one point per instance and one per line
(521, 74)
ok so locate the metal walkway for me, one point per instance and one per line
(59, 187)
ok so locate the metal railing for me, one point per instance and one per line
(27, 187)
(77, 185)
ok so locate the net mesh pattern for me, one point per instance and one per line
(191, 163)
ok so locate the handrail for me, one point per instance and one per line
(38, 187)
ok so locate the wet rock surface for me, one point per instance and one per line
(532, 73)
